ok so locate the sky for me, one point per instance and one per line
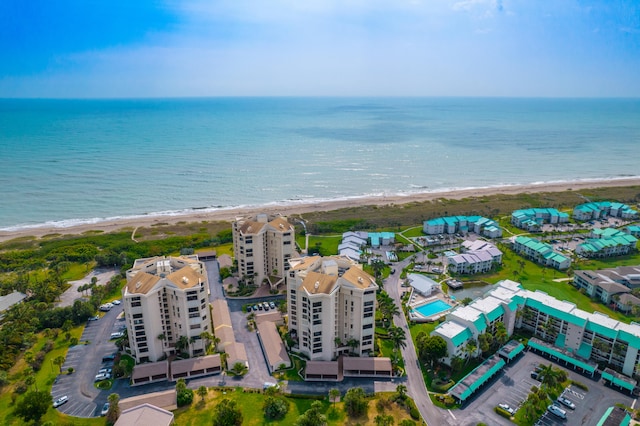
(175, 48)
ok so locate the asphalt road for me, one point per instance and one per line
(416, 387)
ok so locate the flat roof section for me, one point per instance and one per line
(619, 380)
(539, 345)
(511, 349)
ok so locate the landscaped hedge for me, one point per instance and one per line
(502, 412)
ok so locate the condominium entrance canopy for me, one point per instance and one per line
(619, 380)
(478, 377)
(538, 345)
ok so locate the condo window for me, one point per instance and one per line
(368, 315)
(367, 326)
(194, 326)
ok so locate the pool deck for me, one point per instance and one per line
(417, 300)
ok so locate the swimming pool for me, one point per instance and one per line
(432, 308)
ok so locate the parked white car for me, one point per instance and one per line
(102, 376)
(58, 402)
(554, 409)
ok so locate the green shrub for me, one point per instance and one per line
(185, 397)
(503, 413)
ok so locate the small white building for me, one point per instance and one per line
(422, 284)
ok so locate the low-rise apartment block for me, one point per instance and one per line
(603, 209)
(540, 252)
(262, 246)
(607, 242)
(477, 257)
(533, 219)
(165, 306)
(332, 306)
(604, 284)
(592, 337)
(462, 224)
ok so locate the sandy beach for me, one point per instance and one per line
(231, 214)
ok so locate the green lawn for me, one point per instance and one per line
(326, 245)
(251, 406)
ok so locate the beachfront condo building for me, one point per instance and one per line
(607, 242)
(540, 252)
(477, 257)
(533, 219)
(603, 209)
(611, 285)
(578, 337)
(332, 307)
(262, 247)
(462, 224)
(166, 306)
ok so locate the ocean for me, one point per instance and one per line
(66, 162)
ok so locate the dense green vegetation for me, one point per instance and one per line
(35, 335)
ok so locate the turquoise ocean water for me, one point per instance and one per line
(64, 162)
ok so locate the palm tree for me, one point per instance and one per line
(334, 395)
(470, 349)
(182, 343)
(202, 391)
(401, 390)
(549, 375)
(353, 344)
(398, 336)
(59, 361)
(114, 409)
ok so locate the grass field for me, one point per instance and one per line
(250, 404)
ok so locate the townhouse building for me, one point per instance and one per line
(533, 219)
(607, 242)
(606, 284)
(603, 209)
(540, 252)
(332, 305)
(462, 224)
(165, 306)
(582, 338)
(477, 257)
(262, 246)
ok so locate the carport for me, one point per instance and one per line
(511, 350)
(478, 377)
(541, 347)
(615, 379)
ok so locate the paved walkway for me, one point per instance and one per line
(71, 294)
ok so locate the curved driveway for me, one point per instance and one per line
(416, 387)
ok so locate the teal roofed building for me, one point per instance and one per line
(583, 338)
(533, 219)
(462, 224)
(602, 209)
(540, 252)
(633, 230)
(607, 242)
(379, 239)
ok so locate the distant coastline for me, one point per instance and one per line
(80, 226)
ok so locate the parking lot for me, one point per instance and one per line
(86, 359)
(514, 384)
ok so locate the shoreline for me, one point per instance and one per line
(306, 207)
